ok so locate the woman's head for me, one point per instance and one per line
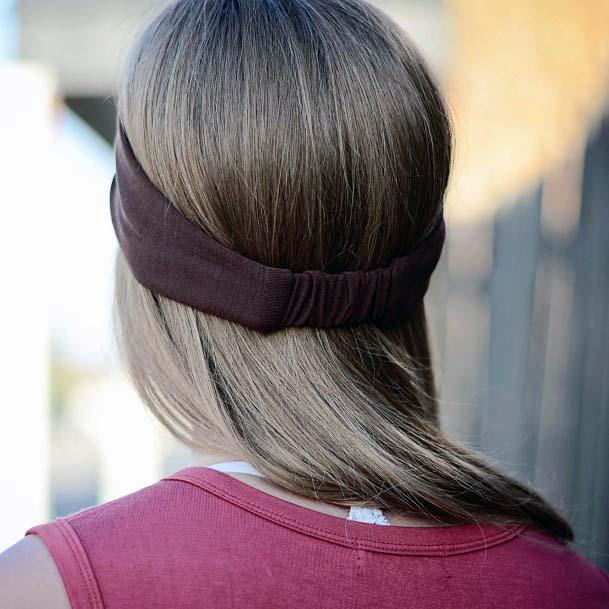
(304, 134)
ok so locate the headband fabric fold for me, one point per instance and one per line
(175, 258)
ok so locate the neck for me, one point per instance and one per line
(204, 459)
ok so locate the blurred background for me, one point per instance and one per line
(519, 305)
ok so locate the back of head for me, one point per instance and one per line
(303, 134)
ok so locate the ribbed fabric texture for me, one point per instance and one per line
(202, 539)
(174, 257)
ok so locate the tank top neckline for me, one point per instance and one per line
(390, 539)
(357, 513)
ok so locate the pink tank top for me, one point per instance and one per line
(200, 538)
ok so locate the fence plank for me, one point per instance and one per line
(589, 352)
(507, 421)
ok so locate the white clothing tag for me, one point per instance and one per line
(368, 515)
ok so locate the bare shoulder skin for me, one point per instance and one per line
(29, 578)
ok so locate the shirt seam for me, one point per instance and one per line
(434, 549)
(72, 562)
(82, 560)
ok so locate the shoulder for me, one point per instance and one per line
(55, 564)
(76, 560)
(29, 577)
(556, 570)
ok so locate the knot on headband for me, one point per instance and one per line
(175, 258)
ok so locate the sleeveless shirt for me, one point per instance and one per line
(200, 539)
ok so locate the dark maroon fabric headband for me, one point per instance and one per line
(175, 258)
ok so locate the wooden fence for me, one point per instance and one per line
(519, 311)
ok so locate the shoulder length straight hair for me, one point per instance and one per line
(304, 134)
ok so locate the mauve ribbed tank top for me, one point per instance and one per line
(201, 538)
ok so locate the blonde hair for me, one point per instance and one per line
(304, 134)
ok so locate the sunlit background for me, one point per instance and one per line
(519, 304)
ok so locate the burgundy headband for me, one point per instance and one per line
(175, 258)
